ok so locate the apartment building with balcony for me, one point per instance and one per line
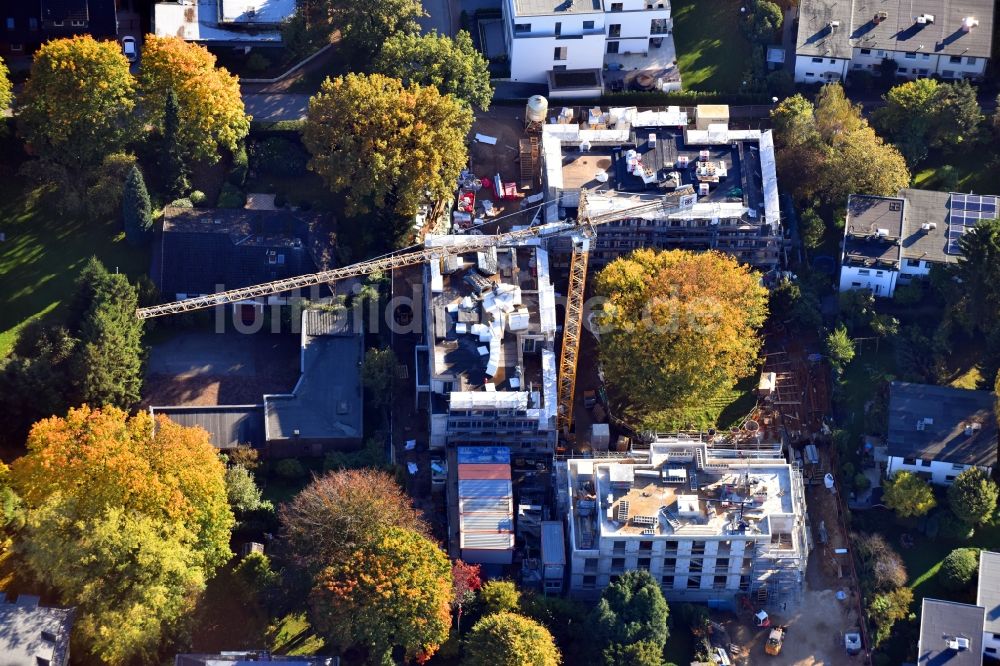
(709, 519)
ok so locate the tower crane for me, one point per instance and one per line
(581, 232)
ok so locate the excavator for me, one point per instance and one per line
(580, 231)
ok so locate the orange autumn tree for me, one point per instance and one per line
(693, 321)
(212, 115)
(395, 592)
(126, 519)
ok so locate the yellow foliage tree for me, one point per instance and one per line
(384, 143)
(692, 318)
(212, 115)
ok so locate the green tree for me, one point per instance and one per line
(136, 209)
(365, 25)
(108, 363)
(258, 581)
(763, 21)
(6, 88)
(812, 228)
(979, 272)
(499, 596)
(839, 347)
(835, 115)
(211, 115)
(958, 114)
(632, 614)
(509, 639)
(340, 512)
(972, 497)
(794, 121)
(172, 162)
(128, 530)
(959, 568)
(884, 171)
(908, 495)
(393, 592)
(693, 317)
(378, 375)
(387, 145)
(241, 488)
(795, 306)
(453, 66)
(77, 103)
(885, 609)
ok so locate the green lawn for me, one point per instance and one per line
(712, 53)
(970, 172)
(44, 251)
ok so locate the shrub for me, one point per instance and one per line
(231, 197)
(257, 63)
(861, 482)
(879, 566)
(182, 203)
(279, 156)
(959, 568)
(241, 164)
(499, 596)
(290, 468)
(954, 529)
(197, 198)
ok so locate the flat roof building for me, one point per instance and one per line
(708, 518)
(950, 633)
(31, 634)
(988, 596)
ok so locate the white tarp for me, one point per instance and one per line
(437, 280)
(483, 400)
(772, 210)
(549, 389)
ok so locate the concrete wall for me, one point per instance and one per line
(911, 65)
(807, 70)
(879, 281)
(941, 473)
(991, 645)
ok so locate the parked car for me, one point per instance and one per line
(130, 49)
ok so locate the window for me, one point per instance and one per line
(643, 563)
(697, 547)
(990, 650)
(10, 22)
(719, 582)
(810, 74)
(948, 74)
(922, 72)
(694, 582)
(958, 468)
(832, 61)
(996, 637)
(558, 28)
(559, 68)
(617, 6)
(949, 478)
(58, 24)
(560, 53)
(520, 28)
(589, 581)
(588, 25)
(925, 56)
(913, 263)
(879, 272)
(612, 47)
(744, 583)
(16, 47)
(901, 70)
(615, 30)
(670, 546)
(866, 51)
(619, 546)
(880, 53)
(864, 271)
(667, 581)
(910, 56)
(669, 562)
(858, 65)
(617, 563)
(909, 461)
(695, 566)
(722, 563)
(614, 579)
(77, 24)
(590, 565)
(817, 60)
(971, 61)
(646, 545)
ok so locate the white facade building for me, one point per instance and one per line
(951, 40)
(708, 520)
(988, 596)
(546, 37)
(938, 432)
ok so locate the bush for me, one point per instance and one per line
(499, 596)
(231, 197)
(290, 468)
(279, 156)
(954, 529)
(257, 63)
(909, 294)
(959, 568)
(197, 198)
(241, 164)
(861, 482)
(182, 203)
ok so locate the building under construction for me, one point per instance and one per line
(710, 518)
(720, 184)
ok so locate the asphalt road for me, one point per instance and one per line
(271, 107)
(442, 15)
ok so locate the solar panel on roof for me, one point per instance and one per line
(965, 210)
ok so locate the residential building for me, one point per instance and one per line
(323, 412)
(889, 241)
(487, 369)
(718, 187)
(988, 596)
(952, 40)
(481, 504)
(26, 25)
(950, 633)
(553, 562)
(709, 518)
(576, 46)
(33, 635)
(937, 432)
(249, 658)
(203, 251)
(239, 23)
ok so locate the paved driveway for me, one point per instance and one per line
(276, 106)
(442, 16)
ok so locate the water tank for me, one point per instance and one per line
(536, 109)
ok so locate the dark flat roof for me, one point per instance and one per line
(228, 425)
(945, 413)
(942, 621)
(21, 627)
(926, 207)
(867, 217)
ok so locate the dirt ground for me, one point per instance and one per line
(201, 368)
